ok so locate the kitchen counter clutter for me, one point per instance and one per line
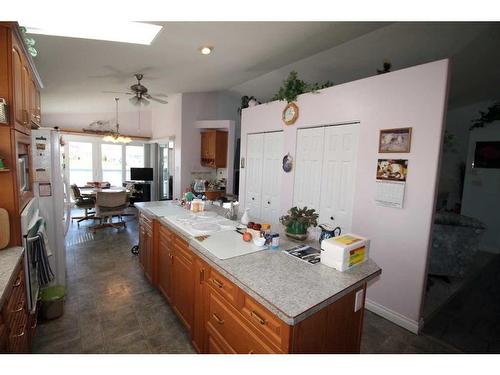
(278, 302)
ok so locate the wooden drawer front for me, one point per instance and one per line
(146, 222)
(263, 320)
(16, 303)
(216, 346)
(165, 234)
(226, 321)
(223, 286)
(181, 248)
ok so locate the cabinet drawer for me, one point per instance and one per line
(226, 321)
(223, 286)
(165, 234)
(263, 320)
(181, 248)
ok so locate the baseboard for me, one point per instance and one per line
(393, 316)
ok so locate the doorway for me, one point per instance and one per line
(166, 168)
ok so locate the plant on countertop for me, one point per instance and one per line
(493, 114)
(299, 220)
(293, 86)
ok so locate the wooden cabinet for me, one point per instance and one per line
(146, 246)
(214, 149)
(165, 262)
(183, 282)
(20, 86)
(34, 105)
(222, 318)
(15, 321)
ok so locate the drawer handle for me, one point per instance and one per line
(250, 352)
(218, 283)
(202, 276)
(18, 282)
(20, 334)
(256, 316)
(217, 319)
(20, 308)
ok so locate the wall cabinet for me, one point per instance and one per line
(264, 169)
(214, 148)
(324, 172)
(20, 87)
(222, 318)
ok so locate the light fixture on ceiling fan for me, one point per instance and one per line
(140, 93)
(116, 137)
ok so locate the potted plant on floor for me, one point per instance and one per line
(298, 221)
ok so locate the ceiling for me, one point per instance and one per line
(76, 71)
(253, 58)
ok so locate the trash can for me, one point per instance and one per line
(52, 302)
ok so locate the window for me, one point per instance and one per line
(80, 163)
(111, 163)
(134, 156)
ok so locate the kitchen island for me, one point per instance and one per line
(262, 302)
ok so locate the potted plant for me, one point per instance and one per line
(298, 221)
(293, 86)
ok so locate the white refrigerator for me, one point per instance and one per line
(52, 192)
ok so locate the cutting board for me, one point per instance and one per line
(228, 244)
(4, 228)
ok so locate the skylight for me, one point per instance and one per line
(114, 31)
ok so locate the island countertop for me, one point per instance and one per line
(288, 287)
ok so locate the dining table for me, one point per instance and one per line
(92, 191)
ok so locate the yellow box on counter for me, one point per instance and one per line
(344, 252)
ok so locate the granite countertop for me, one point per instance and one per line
(9, 259)
(288, 287)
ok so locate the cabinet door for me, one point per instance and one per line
(38, 106)
(271, 177)
(339, 167)
(165, 260)
(255, 154)
(211, 140)
(26, 98)
(183, 288)
(308, 168)
(17, 76)
(198, 334)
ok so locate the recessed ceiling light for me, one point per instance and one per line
(206, 50)
(114, 31)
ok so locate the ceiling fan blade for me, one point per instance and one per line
(159, 95)
(155, 99)
(159, 100)
(117, 92)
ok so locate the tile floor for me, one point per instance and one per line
(111, 308)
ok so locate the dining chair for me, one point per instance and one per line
(109, 204)
(85, 203)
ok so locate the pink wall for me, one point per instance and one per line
(414, 97)
(131, 123)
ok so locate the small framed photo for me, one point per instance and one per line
(394, 140)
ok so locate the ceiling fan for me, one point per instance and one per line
(140, 93)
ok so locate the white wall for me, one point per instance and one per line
(481, 197)
(400, 238)
(131, 123)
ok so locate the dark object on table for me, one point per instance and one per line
(287, 163)
(328, 231)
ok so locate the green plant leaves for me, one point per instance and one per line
(300, 217)
(293, 86)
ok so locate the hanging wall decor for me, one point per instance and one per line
(287, 163)
(290, 114)
(394, 140)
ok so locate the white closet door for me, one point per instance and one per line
(308, 166)
(271, 177)
(255, 152)
(339, 166)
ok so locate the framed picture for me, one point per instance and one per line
(394, 140)
(392, 169)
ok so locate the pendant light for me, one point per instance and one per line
(115, 137)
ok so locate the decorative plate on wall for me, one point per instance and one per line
(290, 114)
(287, 163)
